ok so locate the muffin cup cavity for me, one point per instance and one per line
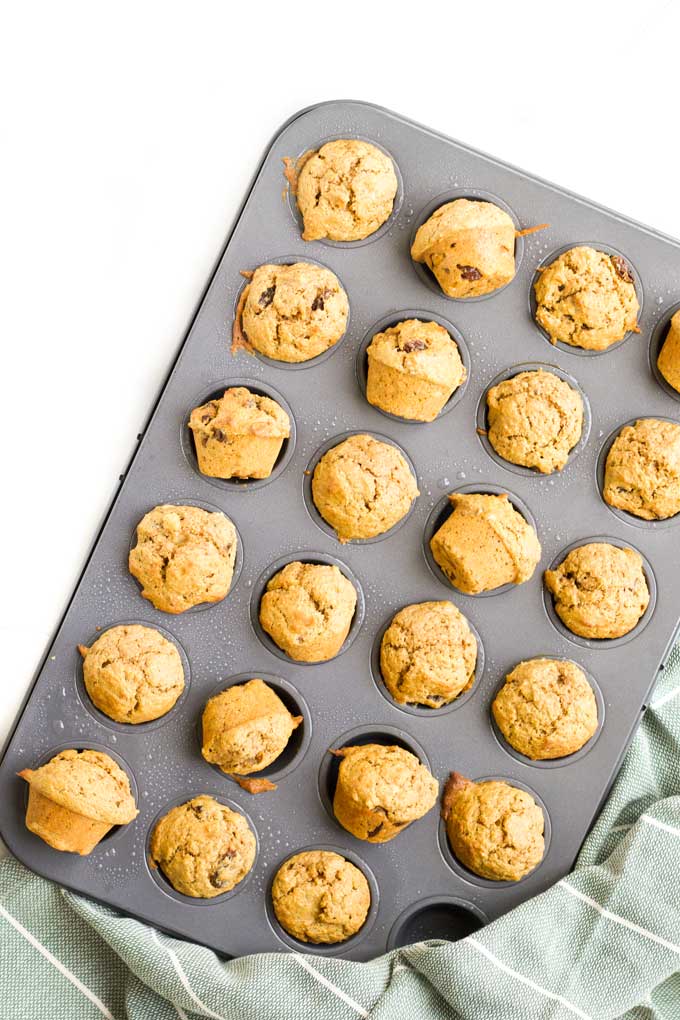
(361, 364)
(602, 642)
(436, 918)
(385, 228)
(323, 948)
(548, 260)
(426, 276)
(482, 417)
(117, 832)
(440, 513)
(308, 476)
(260, 586)
(289, 260)
(298, 744)
(489, 883)
(238, 561)
(600, 468)
(101, 717)
(369, 734)
(568, 759)
(424, 710)
(657, 340)
(158, 877)
(261, 389)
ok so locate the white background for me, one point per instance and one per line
(129, 133)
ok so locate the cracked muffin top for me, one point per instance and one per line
(485, 543)
(362, 487)
(494, 829)
(469, 246)
(184, 556)
(90, 783)
(428, 654)
(308, 609)
(246, 727)
(380, 790)
(132, 673)
(535, 419)
(291, 313)
(202, 847)
(240, 413)
(642, 473)
(599, 590)
(546, 708)
(345, 191)
(586, 298)
(319, 896)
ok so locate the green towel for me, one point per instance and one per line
(602, 943)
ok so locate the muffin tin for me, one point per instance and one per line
(418, 889)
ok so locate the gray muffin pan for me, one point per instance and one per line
(418, 888)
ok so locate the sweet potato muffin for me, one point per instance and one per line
(380, 790)
(413, 369)
(669, 356)
(642, 473)
(239, 435)
(319, 896)
(494, 829)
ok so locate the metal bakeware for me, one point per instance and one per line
(418, 888)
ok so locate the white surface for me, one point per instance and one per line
(130, 131)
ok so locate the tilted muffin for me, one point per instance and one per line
(380, 790)
(239, 435)
(132, 673)
(599, 590)
(246, 727)
(76, 798)
(291, 313)
(307, 610)
(546, 708)
(184, 556)
(642, 473)
(320, 897)
(535, 419)
(413, 368)
(469, 246)
(202, 847)
(586, 298)
(485, 543)
(428, 654)
(363, 487)
(494, 829)
(345, 191)
(669, 356)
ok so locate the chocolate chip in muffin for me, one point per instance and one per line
(266, 297)
(622, 268)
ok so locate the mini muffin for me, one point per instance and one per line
(535, 420)
(246, 727)
(240, 435)
(428, 654)
(413, 368)
(642, 474)
(320, 897)
(599, 590)
(345, 191)
(363, 487)
(485, 543)
(494, 829)
(184, 556)
(307, 610)
(132, 673)
(469, 246)
(669, 357)
(586, 298)
(291, 313)
(380, 790)
(202, 847)
(76, 798)
(546, 708)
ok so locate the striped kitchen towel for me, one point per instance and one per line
(602, 943)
